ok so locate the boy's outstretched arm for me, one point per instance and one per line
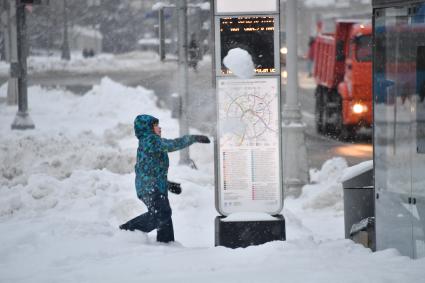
(185, 141)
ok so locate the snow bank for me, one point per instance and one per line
(103, 63)
(331, 171)
(329, 193)
(74, 133)
(239, 61)
(320, 208)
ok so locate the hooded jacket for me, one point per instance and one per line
(152, 156)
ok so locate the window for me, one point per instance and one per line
(364, 48)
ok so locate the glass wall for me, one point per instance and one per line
(399, 133)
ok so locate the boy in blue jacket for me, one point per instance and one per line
(151, 176)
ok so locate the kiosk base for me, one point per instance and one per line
(242, 234)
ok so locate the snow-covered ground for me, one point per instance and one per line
(67, 185)
(102, 63)
(331, 3)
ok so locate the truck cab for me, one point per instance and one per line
(356, 88)
(343, 73)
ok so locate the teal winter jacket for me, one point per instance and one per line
(152, 156)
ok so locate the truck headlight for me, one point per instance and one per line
(359, 108)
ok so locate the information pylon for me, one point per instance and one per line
(248, 139)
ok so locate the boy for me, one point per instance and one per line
(151, 176)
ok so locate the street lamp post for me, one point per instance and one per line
(183, 75)
(66, 54)
(161, 34)
(22, 120)
(294, 149)
(12, 52)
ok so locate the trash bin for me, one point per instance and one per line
(359, 200)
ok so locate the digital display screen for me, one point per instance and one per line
(253, 34)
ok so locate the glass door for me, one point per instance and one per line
(417, 51)
(393, 90)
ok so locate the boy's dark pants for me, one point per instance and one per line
(158, 217)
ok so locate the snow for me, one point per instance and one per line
(4, 68)
(102, 63)
(159, 5)
(356, 170)
(337, 3)
(3, 91)
(248, 216)
(152, 41)
(239, 62)
(205, 6)
(66, 186)
(318, 3)
(88, 32)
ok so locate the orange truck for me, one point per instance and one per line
(343, 73)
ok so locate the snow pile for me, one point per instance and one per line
(68, 184)
(239, 62)
(83, 133)
(320, 206)
(331, 171)
(330, 192)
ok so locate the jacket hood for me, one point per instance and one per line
(143, 125)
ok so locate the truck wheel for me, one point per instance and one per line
(318, 111)
(343, 132)
(347, 133)
(328, 111)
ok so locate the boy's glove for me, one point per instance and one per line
(174, 188)
(201, 139)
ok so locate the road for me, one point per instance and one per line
(202, 107)
(321, 148)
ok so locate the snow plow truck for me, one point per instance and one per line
(343, 74)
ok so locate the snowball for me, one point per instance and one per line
(239, 62)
